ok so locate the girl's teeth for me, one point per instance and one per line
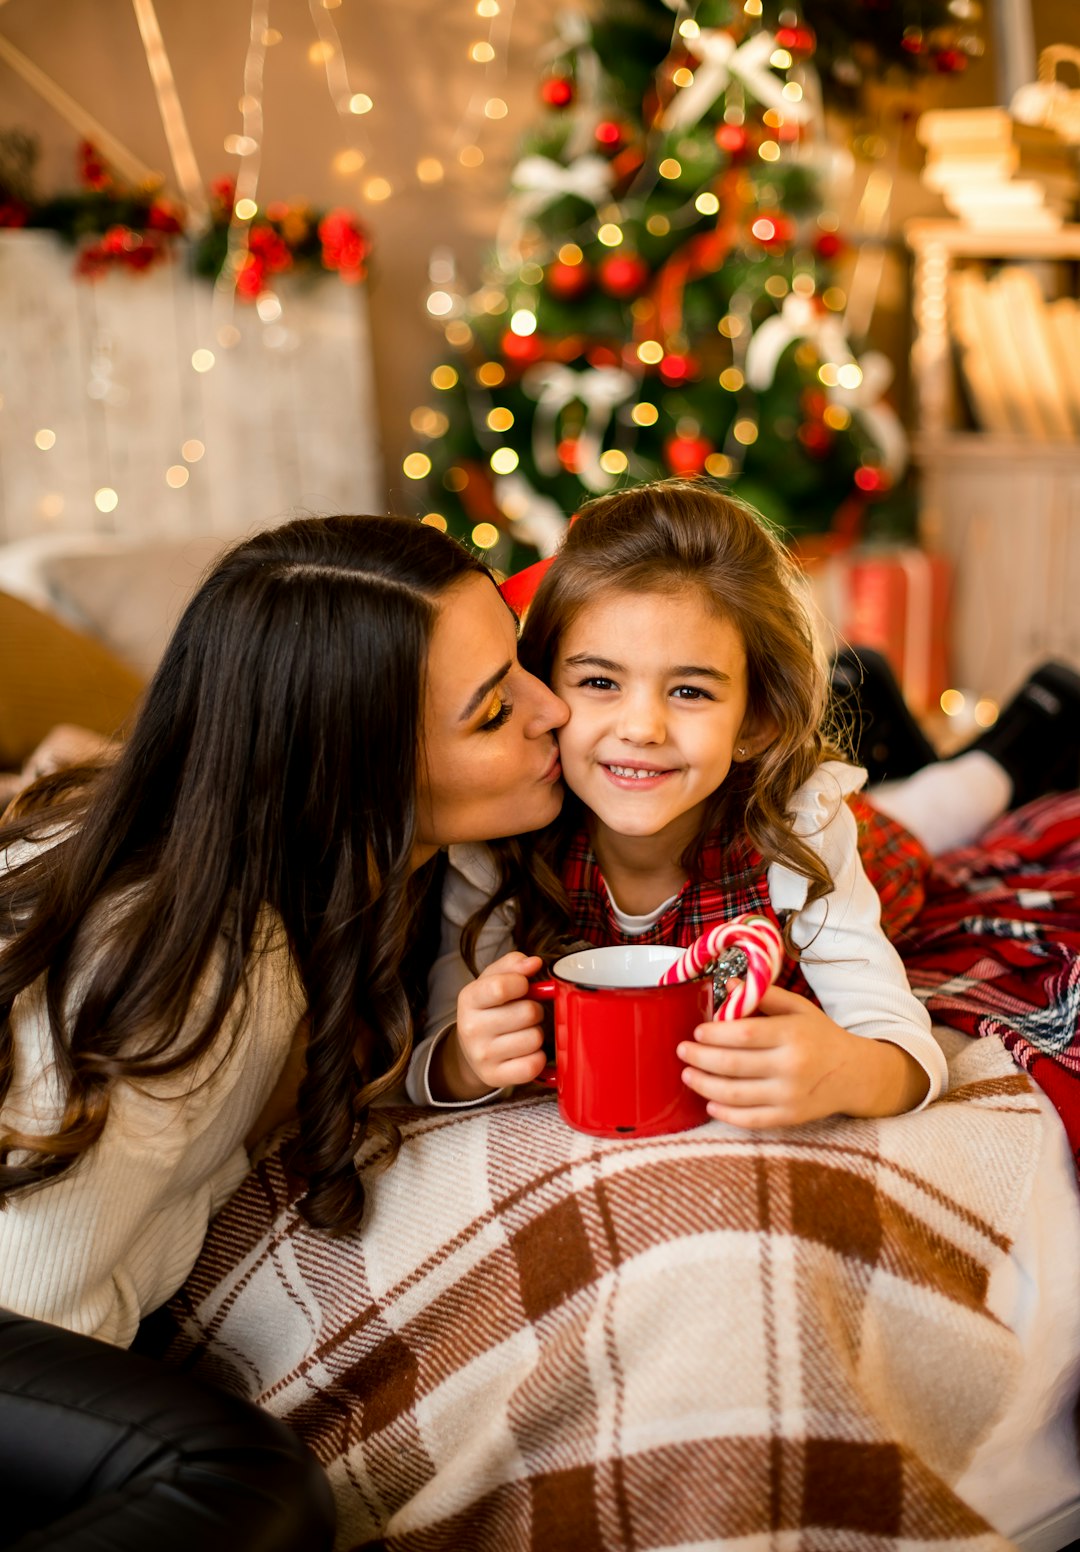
(629, 770)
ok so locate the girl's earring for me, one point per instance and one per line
(740, 748)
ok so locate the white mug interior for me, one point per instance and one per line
(618, 965)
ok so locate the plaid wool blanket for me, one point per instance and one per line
(554, 1343)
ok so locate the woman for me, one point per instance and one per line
(225, 922)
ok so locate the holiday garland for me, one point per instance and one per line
(114, 225)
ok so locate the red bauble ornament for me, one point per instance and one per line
(817, 439)
(950, 61)
(623, 275)
(568, 453)
(871, 479)
(828, 245)
(567, 281)
(686, 455)
(732, 138)
(557, 91)
(799, 40)
(522, 349)
(609, 136)
(676, 368)
(603, 355)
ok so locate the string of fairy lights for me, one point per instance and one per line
(356, 106)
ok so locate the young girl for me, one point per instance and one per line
(700, 786)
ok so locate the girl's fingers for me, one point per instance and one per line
(522, 1069)
(495, 991)
(732, 1093)
(752, 1120)
(727, 1061)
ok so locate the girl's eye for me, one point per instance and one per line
(499, 713)
(691, 692)
(596, 682)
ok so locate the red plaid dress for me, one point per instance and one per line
(734, 879)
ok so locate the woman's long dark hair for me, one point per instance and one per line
(274, 763)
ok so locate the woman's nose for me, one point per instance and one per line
(549, 711)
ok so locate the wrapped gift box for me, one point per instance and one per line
(894, 598)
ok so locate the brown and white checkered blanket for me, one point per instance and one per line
(546, 1342)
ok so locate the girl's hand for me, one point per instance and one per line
(497, 1042)
(792, 1063)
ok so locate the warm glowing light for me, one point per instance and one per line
(377, 189)
(268, 306)
(471, 156)
(803, 283)
(745, 431)
(443, 377)
(689, 28)
(523, 322)
(228, 336)
(495, 108)
(834, 298)
(707, 203)
(777, 285)
(485, 536)
(319, 53)
(44, 439)
(764, 229)
(530, 274)
(752, 7)
(439, 303)
(613, 461)
(769, 151)
(570, 253)
(670, 168)
(644, 414)
(683, 76)
(360, 102)
(836, 417)
(952, 702)
(202, 360)
(430, 170)
(417, 466)
(482, 53)
(458, 334)
(717, 465)
(350, 161)
(500, 419)
(849, 375)
(780, 59)
(245, 209)
(106, 499)
(192, 450)
(610, 234)
(792, 91)
(487, 7)
(731, 379)
(659, 226)
(985, 713)
(455, 479)
(829, 374)
(504, 460)
(240, 145)
(434, 520)
(490, 374)
(731, 326)
(650, 352)
(176, 476)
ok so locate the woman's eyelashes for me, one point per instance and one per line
(498, 715)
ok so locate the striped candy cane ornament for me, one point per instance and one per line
(754, 951)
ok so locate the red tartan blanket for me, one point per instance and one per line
(996, 948)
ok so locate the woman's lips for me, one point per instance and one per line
(554, 770)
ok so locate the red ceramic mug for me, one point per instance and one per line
(616, 1033)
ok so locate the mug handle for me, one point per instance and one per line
(544, 991)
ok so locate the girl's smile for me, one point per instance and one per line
(657, 690)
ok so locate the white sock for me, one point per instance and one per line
(949, 803)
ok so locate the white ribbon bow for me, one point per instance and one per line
(600, 389)
(534, 518)
(799, 319)
(538, 180)
(720, 60)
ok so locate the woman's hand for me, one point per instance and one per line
(792, 1063)
(497, 1042)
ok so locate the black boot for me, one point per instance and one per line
(1036, 739)
(869, 704)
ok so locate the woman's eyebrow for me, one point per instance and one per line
(485, 689)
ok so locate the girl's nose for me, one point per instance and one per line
(641, 720)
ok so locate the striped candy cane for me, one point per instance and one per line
(754, 941)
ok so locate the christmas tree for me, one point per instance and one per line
(663, 296)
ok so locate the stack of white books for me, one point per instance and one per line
(995, 173)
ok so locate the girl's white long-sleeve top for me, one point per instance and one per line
(849, 963)
(114, 1237)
